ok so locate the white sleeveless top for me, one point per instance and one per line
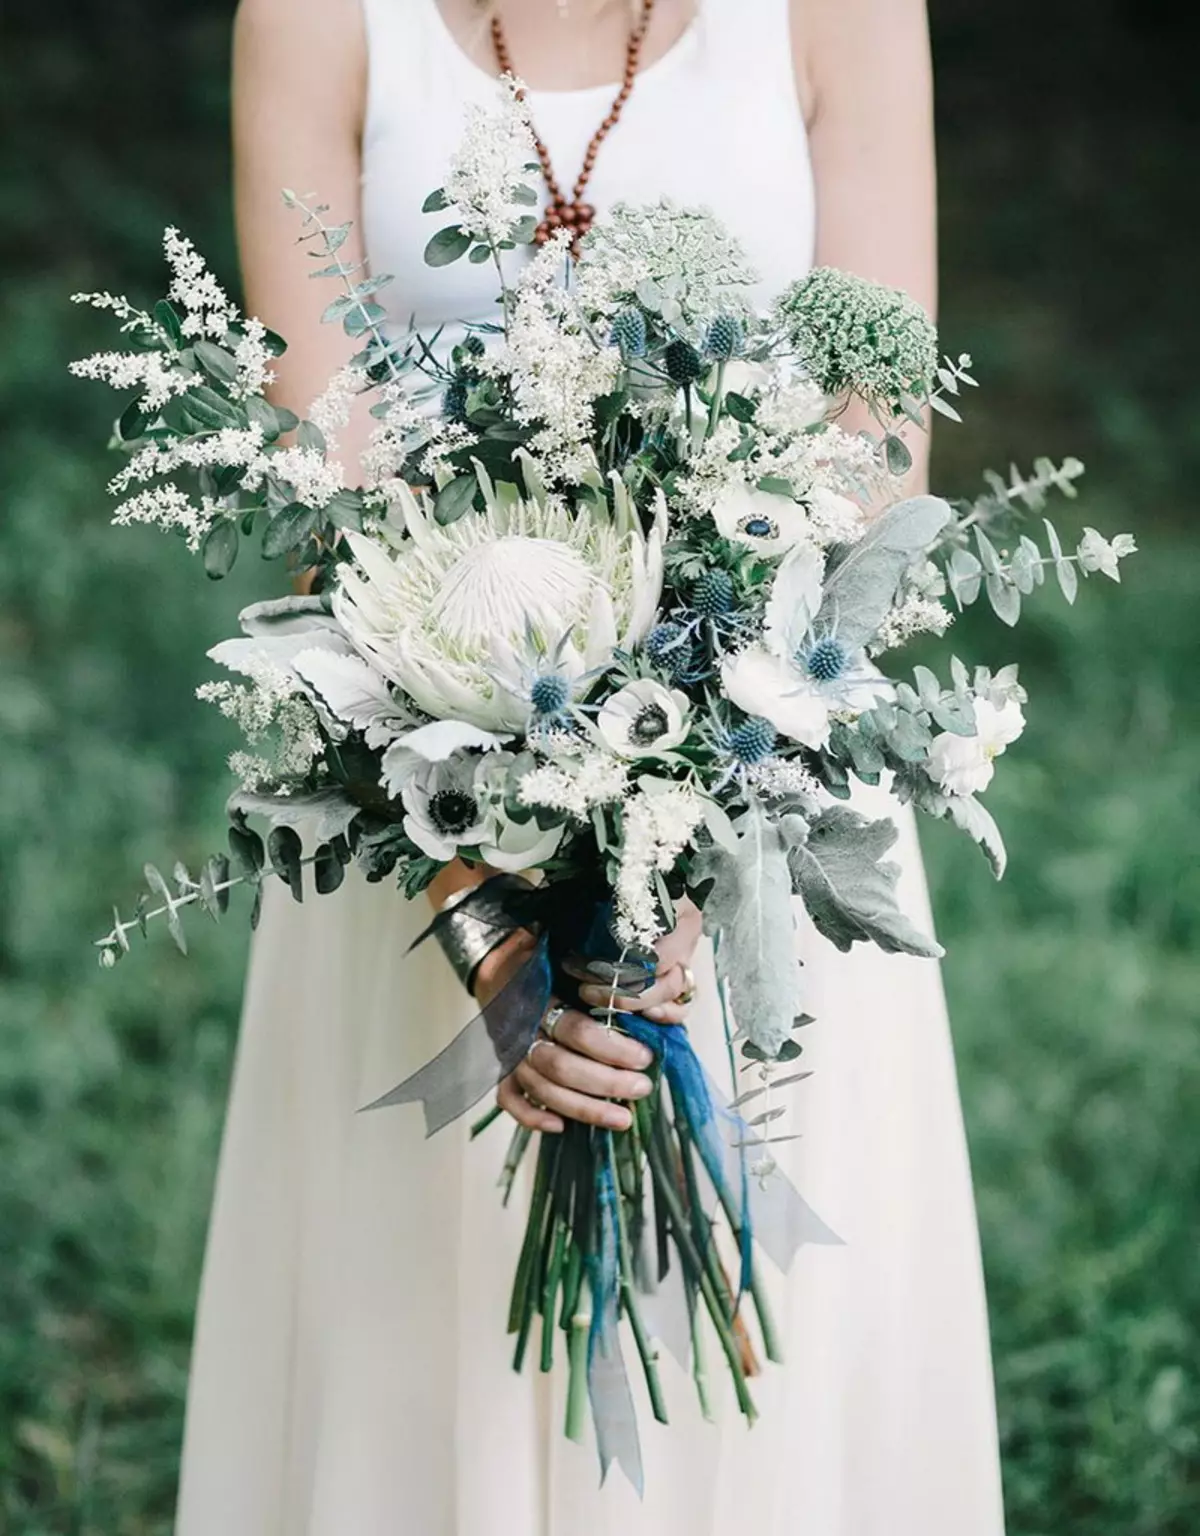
(716, 122)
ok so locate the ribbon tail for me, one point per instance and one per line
(613, 1412)
(482, 1053)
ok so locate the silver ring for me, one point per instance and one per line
(534, 1043)
(551, 1019)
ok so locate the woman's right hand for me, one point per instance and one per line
(575, 1075)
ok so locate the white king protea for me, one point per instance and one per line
(452, 613)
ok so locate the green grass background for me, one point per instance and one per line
(1069, 230)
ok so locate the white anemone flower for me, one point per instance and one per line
(964, 765)
(792, 678)
(764, 520)
(449, 614)
(644, 719)
(442, 808)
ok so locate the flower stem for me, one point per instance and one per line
(554, 1270)
(714, 410)
(629, 1297)
(667, 1190)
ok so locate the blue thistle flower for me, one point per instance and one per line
(683, 363)
(752, 740)
(629, 332)
(724, 338)
(550, 694)
(454, 400)
(826, 659)
(475, 346)
(669, 647)
(713, 595)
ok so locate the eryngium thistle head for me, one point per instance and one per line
(858, 336)
(669, 647)
(475, 345)
(724, 337)
(629, 332)
(753, 740)
(826, 659)
(683, 363)
(550, 694)
(713, 594)
(454, 400)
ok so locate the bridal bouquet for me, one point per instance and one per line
(614, 604)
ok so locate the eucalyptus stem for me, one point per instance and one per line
(345, 273)
(117, 940)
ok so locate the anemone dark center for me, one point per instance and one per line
(451, 810)
(760, 528)
(648, 725)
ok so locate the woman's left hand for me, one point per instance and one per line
(667, 999)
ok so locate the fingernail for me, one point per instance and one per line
(620, 1119)
(641, 1088)
(645, 1056)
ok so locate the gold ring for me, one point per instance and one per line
(551, 1019)
(688, 995)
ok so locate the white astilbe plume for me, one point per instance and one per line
(155, 374)
(253, 358)
(331, 410)
(656, 829)
(491, 163)
(207, 309)
(574, 786)
(915, 615)
(272, 702)
(556, 368)
(169, 508)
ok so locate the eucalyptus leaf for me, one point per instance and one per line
(454, 499)
(285, 849)
(896, 451)
(861, 585)
(447, 246)
(965, 573)
(848, 892)
(288, 529)
(328, 870)
(219, 549)
(1005, 598)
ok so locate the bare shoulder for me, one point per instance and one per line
(844, 49)
(315, 46)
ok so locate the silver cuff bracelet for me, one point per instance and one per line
(467, 940)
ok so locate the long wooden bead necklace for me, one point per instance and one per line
(573, 213)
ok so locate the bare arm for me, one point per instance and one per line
(864, 75)
(299, 82)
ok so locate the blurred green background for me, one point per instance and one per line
(1068, 148)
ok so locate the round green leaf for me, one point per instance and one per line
(447, 246)
(219, 549)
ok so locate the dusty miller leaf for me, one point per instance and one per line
(860, 589)
(849, 893)
(749, 911)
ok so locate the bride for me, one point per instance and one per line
(351, 1374)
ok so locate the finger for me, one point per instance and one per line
(579, 1033)
(570, 1070)
(665, 988)
(668, 1013)
(566, 1101)
(510, 1098)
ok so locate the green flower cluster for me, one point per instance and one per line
(858, 336)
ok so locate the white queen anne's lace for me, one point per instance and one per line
(491, 163)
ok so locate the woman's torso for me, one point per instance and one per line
(715, 122)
